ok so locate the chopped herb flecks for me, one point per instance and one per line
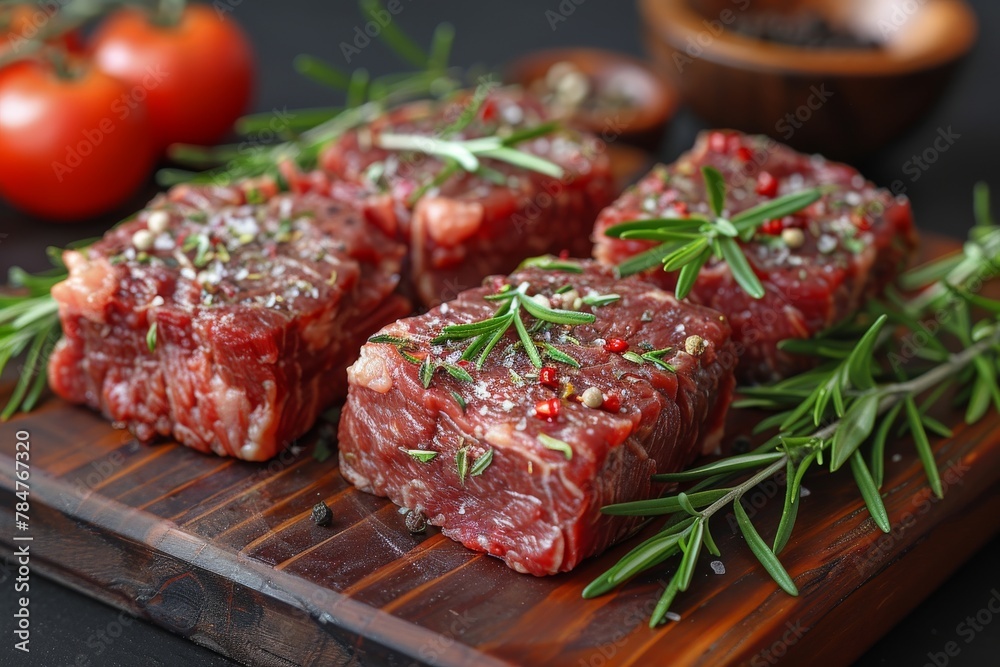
(556, 445)
(422, 455)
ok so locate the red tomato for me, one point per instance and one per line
(72, 147)
(196, 76)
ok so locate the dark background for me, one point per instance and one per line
(66, 624)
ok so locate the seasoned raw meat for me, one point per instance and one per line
(555, 461)
(845, 249)
(229, 328)
(471, 226)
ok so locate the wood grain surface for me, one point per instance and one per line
(226, 554)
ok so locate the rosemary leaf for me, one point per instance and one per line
(393, 36)
(556, 354)
(742, 272)
(457, 372)
(633, 357)
(495, 338)
(470, 330)
(600, 300)
(389, 339)
(789, 510)
(878, 444)
(710, 544)
(923, 446)
(686, 505)
(550, 263)
(529, 133)
(31, 369)
(726, 465)
(856, 426)
(555, 315)
(715, 186)
(859, 363)
(527, 342)
(981, 205)
(691, 548)
(645, 260)
(151, 338)
(444, 37)
(320, 72)
(482, 463)
(422, 455)
(689, 224)
(763, 552)
(663, 605)
(869, 491)
(650, 553)
(685, 254)
(462, 463)
(666, 505)
(426, 372)
(689, 274)
(776, 208)
(524, 161)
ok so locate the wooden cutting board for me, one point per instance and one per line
(226, 554)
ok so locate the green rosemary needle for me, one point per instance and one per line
(833, 412)
(485, 334)
(687, 244)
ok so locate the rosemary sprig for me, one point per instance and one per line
(485, 334)
(29, 322)
(688, 243)
(832, 412)
(307, 131)
(466, 154)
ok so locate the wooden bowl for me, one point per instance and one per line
(625, 99)
(843, 101)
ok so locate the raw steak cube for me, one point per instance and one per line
(229, 328)
(564, 441)
(837, 253)
(469, 226)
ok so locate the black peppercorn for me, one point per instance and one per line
(416, 522)
(321, 514)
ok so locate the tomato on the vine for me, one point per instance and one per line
(72, 145)
(196, 72)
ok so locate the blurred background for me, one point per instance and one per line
(927, 130)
